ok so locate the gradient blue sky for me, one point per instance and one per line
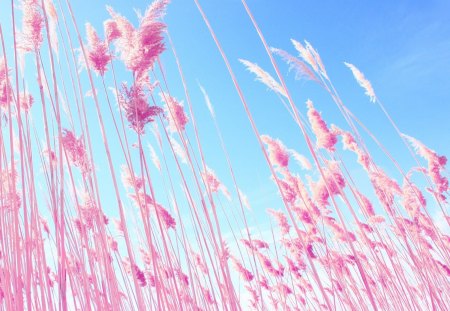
(403, 47)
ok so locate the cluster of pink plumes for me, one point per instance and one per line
(69, 244)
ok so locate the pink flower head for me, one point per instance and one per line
(445, 268)
(211, 180)
(130, 180)
(385, 188)
(283, 289)
(303, 215)
(139, 48)
(338, 231)
(306, 55)
(174, 113)
(51, 157)
(167, 219)
(224, 253)
(317, 58)
(140, 276)
(144, 201)
(111, 30)
(31, 38)
(208, 296)
(44, 224)
(377, 219)
(50, 10)
(52, 16)
(255, 244)
(366, 205)
(292, 267)
(112, 244)
(349, 143)
(312, 208)
(254, 297)
(89, 212)
(301, 159)
(333, 184)
(310, 251)
(248, 245)
(214, 183)
(264, 282)
(26, 101)
(260, 244)
(300, 68)
(119, 28)
(138, 112)
(5, 86)
(281, 219)
(325, 138)
(436, 164)
(200, 263)
(9, 195)
(362, 81)
(98, 54)
(311, 57)
(75, 151)
(278, 153)
(288, 192)
(146, 256)
(182, 277)
(264, 77)
(268, 266)
(245, 274)
(413, 198)
(118, 224)
(149, 276)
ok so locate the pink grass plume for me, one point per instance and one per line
(362, 81)
(325, 138)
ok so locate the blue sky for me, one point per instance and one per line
(403, 47)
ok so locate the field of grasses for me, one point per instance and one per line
(122, 189)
